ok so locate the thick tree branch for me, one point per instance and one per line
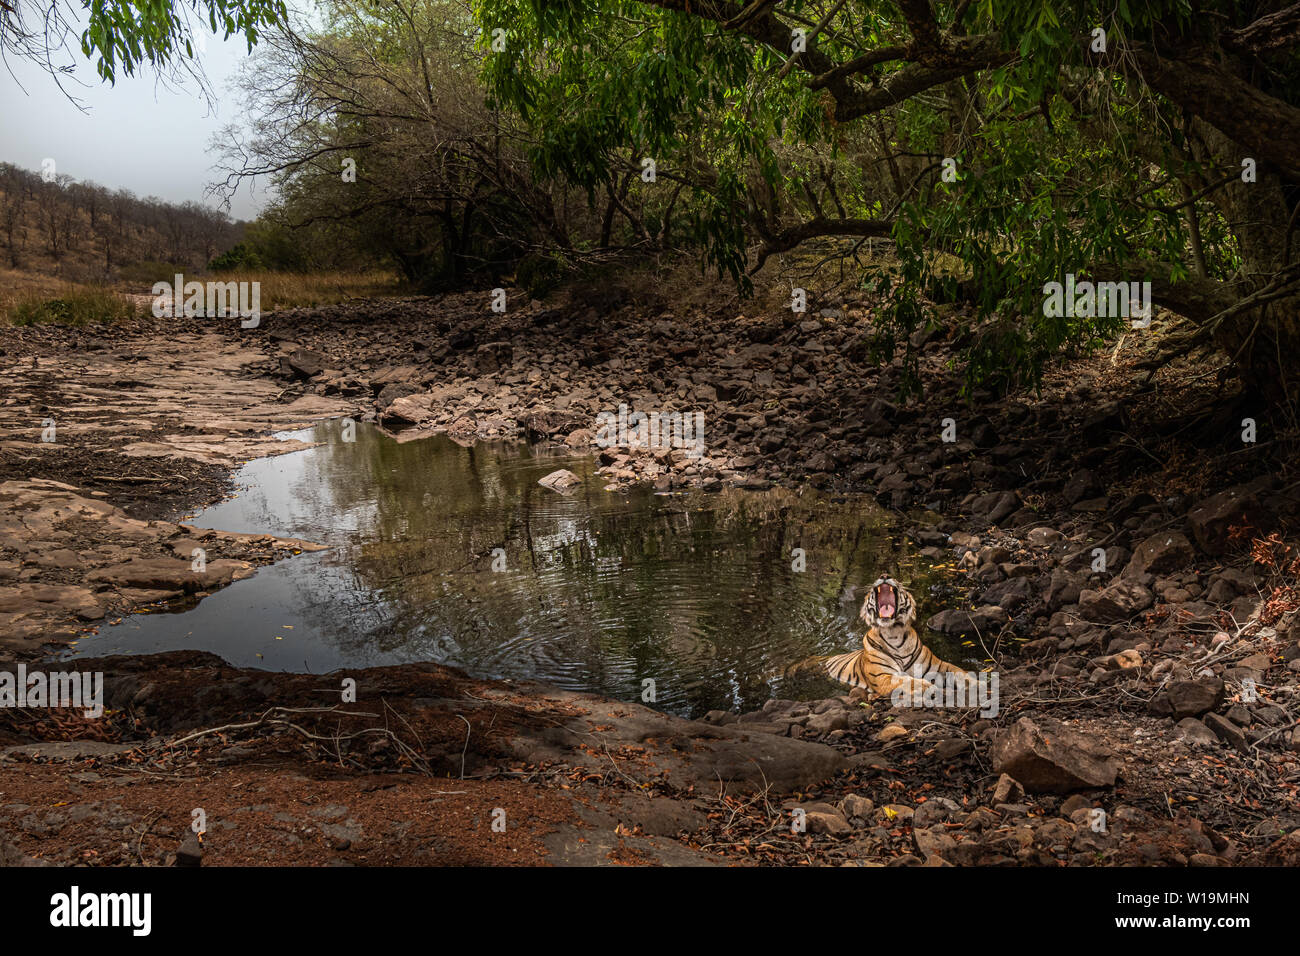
(1276, 31)
(1265, 125)
(787, 239)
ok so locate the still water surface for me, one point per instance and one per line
(600, 590)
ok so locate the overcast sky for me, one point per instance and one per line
(139, 135)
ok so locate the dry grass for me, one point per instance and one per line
(16, 286)
(282, 290)
(28, 297)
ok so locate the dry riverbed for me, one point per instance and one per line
(1161, 691)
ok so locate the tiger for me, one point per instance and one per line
(892, 655)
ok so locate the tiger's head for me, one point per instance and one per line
(888, 605)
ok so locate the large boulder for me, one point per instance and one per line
(1051, 758)
(170, 574)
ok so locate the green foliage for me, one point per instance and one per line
(1016, 218)
(1050, 182)
(240, 256)
(149, 271)
(607, 85)
(125, 35)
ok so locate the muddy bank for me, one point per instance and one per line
(421, 764)
(414, 771)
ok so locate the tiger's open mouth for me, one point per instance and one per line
(886, 600)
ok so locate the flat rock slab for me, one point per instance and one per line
(200, 380)
(79, 557)
(66, 749)
(562, 481)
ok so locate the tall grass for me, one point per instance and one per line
(27, 298)
(286, 290)
(66, 304)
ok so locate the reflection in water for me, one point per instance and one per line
(599, 591)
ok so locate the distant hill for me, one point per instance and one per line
(84, 232)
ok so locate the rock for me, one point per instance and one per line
(934, 811)
(832, 823)
(1040, 647)
(894, 815)
(951, 747)
(562, 481)
(766, 727)
(1043, 537)
(1239, 715)
(1082, 484)
(11, 856)
(1227, 584)
(1211, 519)
(1051, 758)
(933, 843)
(1064, 588)
(391, 393)
(891, 732)
(1188, 698)
(819, 725)
(1226, 731)
(1118, 602)
(1007, 790)
(1160, 554)
(856, 807)
(492, 357)
(171, 574)
(995, 506)
(1055, 833)
(1010, 594)
(1252, 667)
(982, 619)
(306, 363)
(1076, 802)
(408, 410)
(191, 851)
(461, 340)
(1194, 732)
